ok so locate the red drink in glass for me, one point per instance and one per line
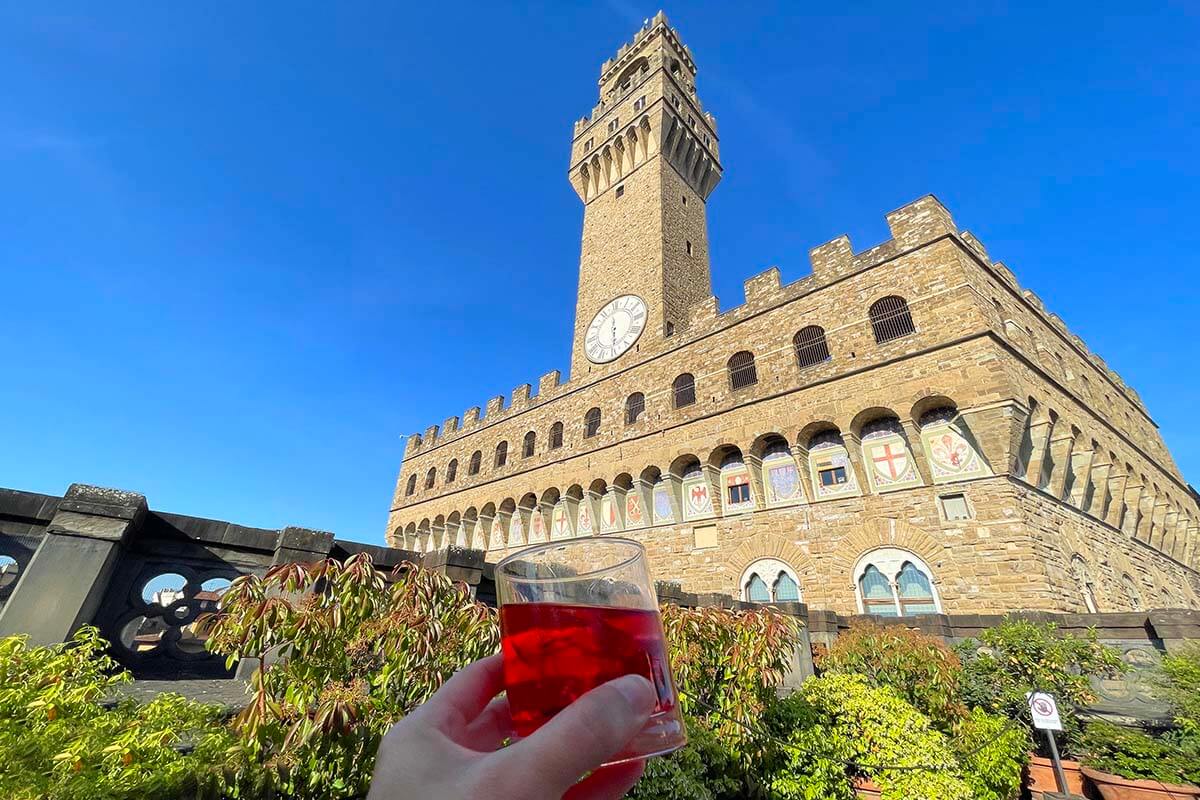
(574, 615)
(553, 653)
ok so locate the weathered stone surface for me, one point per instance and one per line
(1076, 505)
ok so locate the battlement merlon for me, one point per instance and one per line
(918, 223)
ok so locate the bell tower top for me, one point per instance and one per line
(643, 163)
(660, 66)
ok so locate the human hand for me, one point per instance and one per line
(450, 747)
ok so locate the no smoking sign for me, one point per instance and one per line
(1045, 712)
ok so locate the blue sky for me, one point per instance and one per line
(245, 249)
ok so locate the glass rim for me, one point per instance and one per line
(504, 562)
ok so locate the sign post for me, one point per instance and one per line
(1044, 711)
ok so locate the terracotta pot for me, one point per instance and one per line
(864, 788)
(1113, 787)
(1040, 777)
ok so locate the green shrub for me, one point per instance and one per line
(706, 769)
(839, 720)
(991, 751)
(1133, 754)
(59, 741)
(361, 653)
(1019, 656)
(727, 666)
(919, 668)
(1179, 685)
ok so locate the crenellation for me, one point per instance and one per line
(920, 222)
(976, 246)
(703, 314)
(814, 425)
(832, 260)
(449, 427)
(431, 435)
(763, 288)
(548, 384)
(412, 445)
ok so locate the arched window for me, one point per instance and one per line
(556, 435)
(769, 580)
(528, 445)
(473, 467)
(876, 593)
(786, 589)
(892, 582)
(915, 591)
(811, 347)
(430, 477)
(591, 423)
(741, 370)
(1131, 592)
(756, 590)
(452, 471)
(501, 455)
(685, 390)
(412, 485)
(1083, 582)
(635, 404)
(890, 318)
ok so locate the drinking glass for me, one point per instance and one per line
(574, 615)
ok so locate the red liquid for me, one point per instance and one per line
(554, 653)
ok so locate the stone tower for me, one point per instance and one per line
(644, 164)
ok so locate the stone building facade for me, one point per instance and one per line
(904, 431)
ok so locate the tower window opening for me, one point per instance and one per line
(707, 140)
(635, 405)
(742, 372)
(588, 144)
(691, 122)
(621, 190)
(890, 319)
(556, 435)
(591, 423)
(669, 330)
(811, 347)
(684, 198)
(689, 248)
(640, 103)
(685, 390)
(613, 124)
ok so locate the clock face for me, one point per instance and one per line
(615, 328)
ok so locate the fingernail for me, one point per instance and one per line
(637, 691)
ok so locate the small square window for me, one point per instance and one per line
(833, 476)
(613, 123)
(955, 507)
(620, 190)
(670, 328)
(689, 248)
(691, 121)
(640, 103)
(739, 493)
(588, 144)
(684, 199)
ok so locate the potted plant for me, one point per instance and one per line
(1125, 764)
(1040, 776)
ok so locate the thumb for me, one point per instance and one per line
(583, 735)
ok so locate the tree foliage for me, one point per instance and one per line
(63, 737)
(1019, 656)
(919, 668)
(345, 654)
